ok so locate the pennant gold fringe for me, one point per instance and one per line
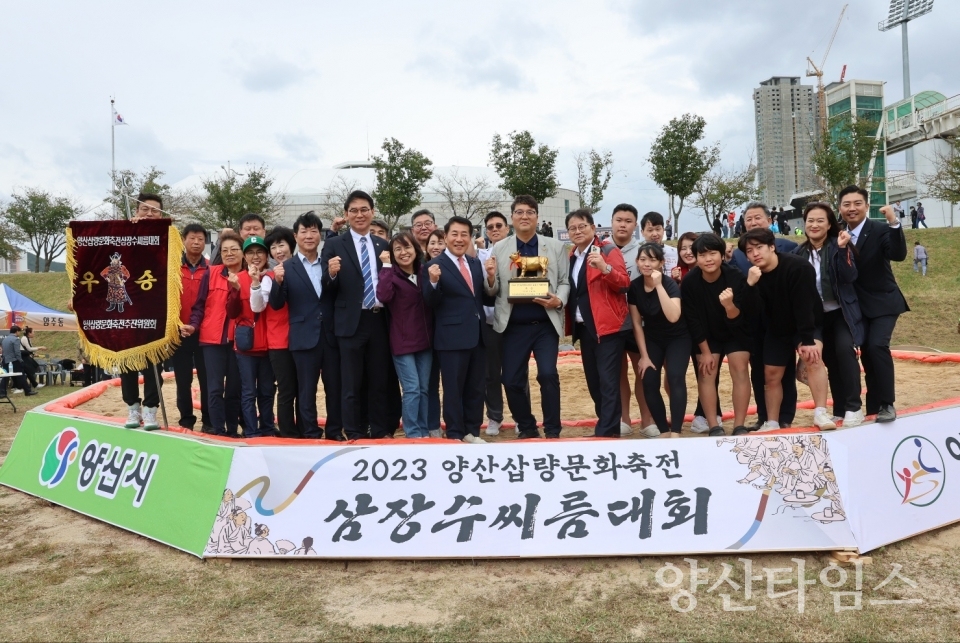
(136, 358)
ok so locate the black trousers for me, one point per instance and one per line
(308, 365)
(30, 368)
(289, 422)
(493, 343)
(188, 357)
(130, 387)
(673, 354)
(332, 384)
(20, 381)
(601, 368)
(518, 342)
(223, 388)
(462, 373)
(878, 372)
(365, 355)
(788, 407)
(840, 358)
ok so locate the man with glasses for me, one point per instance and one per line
(881, 302)
(497, 230)
(350, 264)
(422, 222)
(535, 326)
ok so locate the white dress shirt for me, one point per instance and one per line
(816, 262)
(578, 259)
(358, 241)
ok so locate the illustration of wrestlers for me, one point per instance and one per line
(116, 275)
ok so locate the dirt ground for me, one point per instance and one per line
(916, 384)
(67, 577)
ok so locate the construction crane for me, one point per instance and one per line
(817, 71)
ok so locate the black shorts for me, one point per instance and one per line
(782, 351)
(734, 345)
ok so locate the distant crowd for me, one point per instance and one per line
(383, 320)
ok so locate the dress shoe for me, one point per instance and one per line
(740, 430)
(335, 437)
(553, 436)
(716, 432)
(531, 433)
(887, 413)
(29, 393)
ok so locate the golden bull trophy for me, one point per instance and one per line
(524, 289)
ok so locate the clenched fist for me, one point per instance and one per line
(753, 276)
(333, 266)
(337, 224)
(491, 266)
(675, 273)
(278, 273)
(890, 213)
(234, 281)
(434, 272)
(656, 278)
(726, 297)
(255, 274)
(843, 239)
(385, 256)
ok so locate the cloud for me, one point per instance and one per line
(299, 146)
(477, 64)
(271, 74)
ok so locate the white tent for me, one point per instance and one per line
(23, 311)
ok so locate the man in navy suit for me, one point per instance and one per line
(298, 285)
(454, 289)
(881, 302)
(351, 265)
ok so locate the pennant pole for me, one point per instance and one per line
(113, 154)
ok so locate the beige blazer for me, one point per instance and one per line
(558, 274)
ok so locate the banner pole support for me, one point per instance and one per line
(163, 407)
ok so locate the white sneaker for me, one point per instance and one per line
(700, 425)
(472, 439)
(516, 429)
(625, 429)
(852, 419)
(493, 428)
(435, 433)
(769, 425)
(650, 431)
(150, 418)
(41, 385)
(719, 420)
(133, 417)
(823, 420)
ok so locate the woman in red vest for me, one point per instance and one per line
(257, 385)
(209, 318)
(282, 245)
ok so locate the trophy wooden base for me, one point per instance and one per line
(525, 290)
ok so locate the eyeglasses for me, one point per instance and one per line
(524, 213)
(359, 210)
(424, 224)
(580, 228)
(146, 209)
(495, 226)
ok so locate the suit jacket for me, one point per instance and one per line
(558, 274)
(458, 313)
(303, 305)
(347, 286)
(877, 245)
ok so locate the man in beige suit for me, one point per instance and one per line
(535, 327)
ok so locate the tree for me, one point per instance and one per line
(227, 197)
(719, 191)
(177, 204)
(944, 183)
(842, 156)
(401, 173)
(676, 161)
(10, 236)
(42, 218)
(594, 171)
(524, 167)
(469, 197)
(331, 205)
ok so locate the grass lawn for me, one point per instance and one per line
(67, 577)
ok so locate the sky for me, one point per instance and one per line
(307, 85)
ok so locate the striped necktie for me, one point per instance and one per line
(368, 297)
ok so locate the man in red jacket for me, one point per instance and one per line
(596, 311)
(193, 267)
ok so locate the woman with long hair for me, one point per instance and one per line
(685, 258)
(436, 244)
(209, 318)
(832, 255)
(411, 330)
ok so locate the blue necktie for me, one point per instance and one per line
(368, 297)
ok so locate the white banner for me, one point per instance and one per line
(528, 499)
(904, 477)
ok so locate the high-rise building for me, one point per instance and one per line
(786, 114)
(863, 98)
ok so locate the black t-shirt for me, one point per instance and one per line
(655, 324)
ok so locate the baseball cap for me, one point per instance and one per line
(255, 241)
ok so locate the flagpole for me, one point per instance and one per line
(113, 156)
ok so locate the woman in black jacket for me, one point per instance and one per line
(829, 247)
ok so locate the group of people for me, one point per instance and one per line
(383, 320)
(18, 360)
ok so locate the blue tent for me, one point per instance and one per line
(23, 311)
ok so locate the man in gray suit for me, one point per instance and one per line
(535, 327)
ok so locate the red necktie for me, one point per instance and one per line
(466, 273)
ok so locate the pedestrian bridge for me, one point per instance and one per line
(921, 117)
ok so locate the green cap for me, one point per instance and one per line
(255, 241)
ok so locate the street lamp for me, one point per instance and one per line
(901, 12)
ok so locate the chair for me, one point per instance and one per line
(54, 371)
